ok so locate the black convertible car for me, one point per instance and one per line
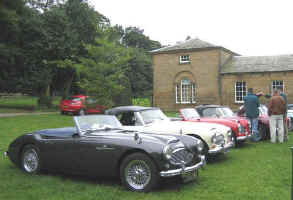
(98, 146)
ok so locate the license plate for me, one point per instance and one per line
(189, 176)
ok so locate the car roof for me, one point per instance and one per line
(122, 109)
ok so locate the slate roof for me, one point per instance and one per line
(191, 44)
(188, 44)
(241, 64)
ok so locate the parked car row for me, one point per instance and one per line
(140, 145)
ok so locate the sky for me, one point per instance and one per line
(247, 27)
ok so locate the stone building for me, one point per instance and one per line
(195, 72)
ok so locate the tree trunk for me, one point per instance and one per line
(67, 86)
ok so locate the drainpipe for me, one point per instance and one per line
(220, 77)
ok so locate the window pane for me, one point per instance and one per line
(240, 91)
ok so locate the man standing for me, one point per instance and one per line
(282, 94)
(251, 103)
(276, 110)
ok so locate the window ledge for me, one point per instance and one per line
(185, 102)
(184, 63)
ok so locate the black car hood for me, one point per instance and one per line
(135, 135)
(69, 132)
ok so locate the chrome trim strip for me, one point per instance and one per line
(175, 172)
(216, 150)
(221, 149)
(228, 146)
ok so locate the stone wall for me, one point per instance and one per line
(260, 82)
(203, 69)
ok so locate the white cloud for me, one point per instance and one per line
(248, 27)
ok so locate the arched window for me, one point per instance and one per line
(185, 91)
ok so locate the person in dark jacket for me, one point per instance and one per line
(251, 104)
(276, 110)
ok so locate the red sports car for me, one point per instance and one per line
(81, 105)
(240, 132)
(263, 121)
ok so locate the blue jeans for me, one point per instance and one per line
(254, 129)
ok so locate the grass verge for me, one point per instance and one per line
(17, 104)
(255, 171)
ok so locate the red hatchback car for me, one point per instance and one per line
(240, 133)
(81, 105)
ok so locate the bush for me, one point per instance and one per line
(141, 102)
(45, 101)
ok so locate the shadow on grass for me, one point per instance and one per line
(165, 184)
(216, 159)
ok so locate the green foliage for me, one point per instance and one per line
(45, 101)
(140, 71)
(50, 47)
(134, 37)
(141, 102)
(103, 75)
(15, 104)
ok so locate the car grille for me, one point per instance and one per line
(181, 156)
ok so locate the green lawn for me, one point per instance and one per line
(16, 104)
(255, 171)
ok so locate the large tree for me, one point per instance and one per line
(140, 65)
(104, 72)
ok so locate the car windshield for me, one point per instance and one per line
(150, 116)
(226, 112)
(189, 113)
(90, 123)
(74, 99)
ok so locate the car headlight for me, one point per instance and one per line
(218, 139)
(167, 152)
(200, 146)
(214, 139)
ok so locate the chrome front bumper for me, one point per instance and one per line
(221, 149)
(242, 138)
(175, 172)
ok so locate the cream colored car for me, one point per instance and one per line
(216, 138)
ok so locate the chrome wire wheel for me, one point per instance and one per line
(138, 174)
(30, 160)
